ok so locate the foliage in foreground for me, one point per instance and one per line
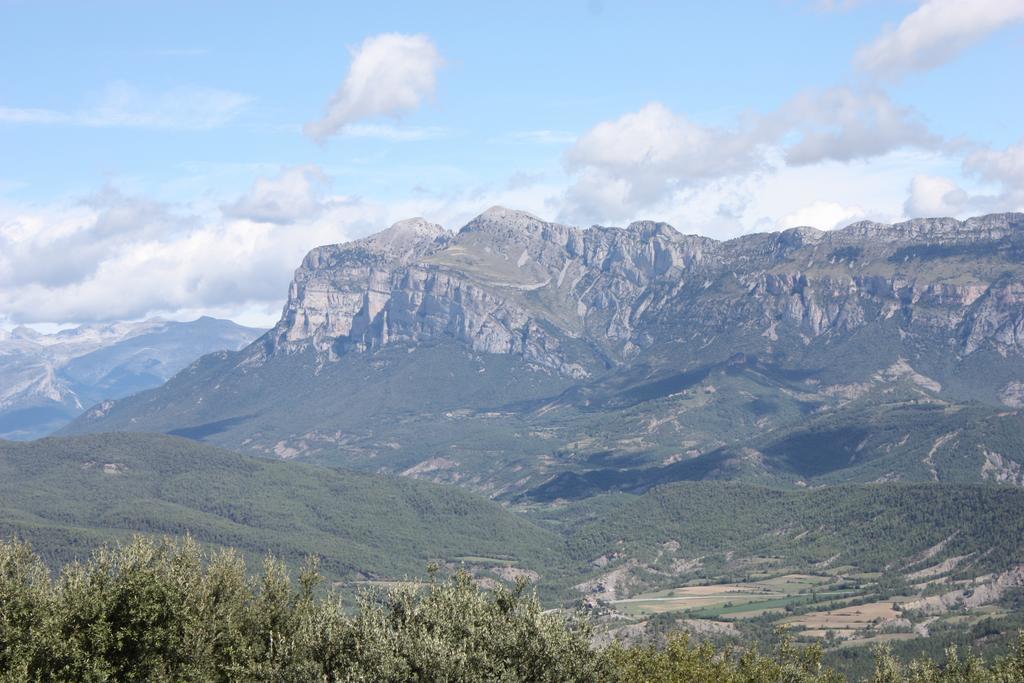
(166, 611)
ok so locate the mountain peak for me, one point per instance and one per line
(409, 229)
(800, 235)
(503, 218)
(649, 229)
(405, 240)
(497, 212)
(416, 225)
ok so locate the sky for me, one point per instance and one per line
(179, 158)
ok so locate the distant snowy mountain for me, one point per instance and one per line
(48, 379)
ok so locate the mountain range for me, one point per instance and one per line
(534, 361)
(48, 379)
(816, 431)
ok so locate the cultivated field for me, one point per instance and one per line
(847, 622)
(734, 599)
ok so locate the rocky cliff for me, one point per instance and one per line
(571, 299)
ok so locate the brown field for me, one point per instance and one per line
(774, 586)
(795, 582)
(851, 618)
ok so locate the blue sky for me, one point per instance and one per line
(178, 159)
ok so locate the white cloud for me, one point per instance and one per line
(293, 195)
(635, 162)
(822, 215)
(114, 256)
(826, 195)
(935, 33)
(640, 157)
(841, 124)
(1003, 170)
(124, 105)
(1005, 167)
(130, 258)
(933, 196)
(876, 186)
(990, 181)
(599, 197)
(29, 115)
(56, 248)
(654, 139)
(390, 74)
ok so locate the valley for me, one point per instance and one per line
(849, 565)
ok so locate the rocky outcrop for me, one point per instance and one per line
(566, 298)
(983, 590)
(1012, 394)
(1002, 470)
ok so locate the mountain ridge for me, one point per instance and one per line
(576, 351)
(491, 306)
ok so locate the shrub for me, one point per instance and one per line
(168, 611)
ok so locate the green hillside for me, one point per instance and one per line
(743, 558)
(890, 435)
(869, 527)
(440, 413)
(67, 495)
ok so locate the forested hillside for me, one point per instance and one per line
(69, 495)
(738, 559)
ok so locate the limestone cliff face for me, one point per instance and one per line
(563, 297)
(950, 284)
(338, 287)
(382, 289)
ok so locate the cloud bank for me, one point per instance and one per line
(645, 157)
